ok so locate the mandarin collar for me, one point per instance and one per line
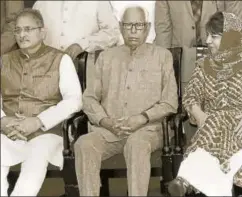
(38, 53)
(138, 51)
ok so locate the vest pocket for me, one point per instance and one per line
(46, 86)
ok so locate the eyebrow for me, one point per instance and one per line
(23, 26)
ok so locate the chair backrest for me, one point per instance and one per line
(177, 66)
(201, 52)
(81, 68)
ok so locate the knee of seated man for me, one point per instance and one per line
(84, 143)
(134, 143)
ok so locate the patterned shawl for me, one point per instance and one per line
(228, 60)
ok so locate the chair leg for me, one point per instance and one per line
(164, 188)
(104, 190)
(71, 191)
(237, 191)
(166, 173)
(176, 161)
(12, 179)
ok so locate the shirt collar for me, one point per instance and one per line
(138, 51)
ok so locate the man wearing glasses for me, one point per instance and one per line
(37, 95)
(118, 7)
(134, 89)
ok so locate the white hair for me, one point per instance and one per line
(134, 6)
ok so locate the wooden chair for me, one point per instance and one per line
(164, 163)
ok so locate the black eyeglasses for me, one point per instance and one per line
(27, 30)
(138, 26)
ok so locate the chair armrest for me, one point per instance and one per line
(166, 139)
(175, 122)
(72, 129)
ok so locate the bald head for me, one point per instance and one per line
(130, 11)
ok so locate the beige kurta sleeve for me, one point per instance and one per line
(169, 98)
(93, 95)
(163, 24)
(108, 34)
(7, 38)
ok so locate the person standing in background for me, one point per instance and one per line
(9, 10)
(77, 26)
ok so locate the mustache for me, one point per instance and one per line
(23, 40)
(132, 38)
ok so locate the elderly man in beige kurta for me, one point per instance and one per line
(134, 89)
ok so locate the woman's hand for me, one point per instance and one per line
(201, 119)
(199, 115)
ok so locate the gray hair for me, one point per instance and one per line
(135, 6)
(33, 13)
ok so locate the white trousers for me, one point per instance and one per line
(203, 171)
(34, 156)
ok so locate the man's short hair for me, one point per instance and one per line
(134, 6)
(35, 14)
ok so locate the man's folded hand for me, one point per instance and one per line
(26, 126)
(113, 126)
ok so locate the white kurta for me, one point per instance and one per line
(48, 146)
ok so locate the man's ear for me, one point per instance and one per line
(43, 32)
(120, 25)
(148, 26)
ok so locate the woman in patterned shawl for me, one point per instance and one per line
(213, 100)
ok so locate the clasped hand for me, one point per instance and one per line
(20, 127)
(123, 127)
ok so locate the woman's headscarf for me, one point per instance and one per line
(228, 60)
